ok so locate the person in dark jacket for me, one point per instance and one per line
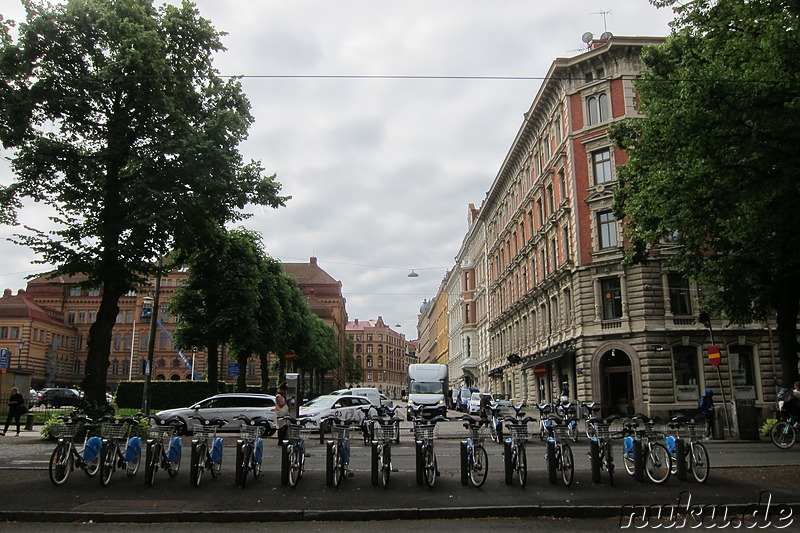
(16, 408)
(706, 410)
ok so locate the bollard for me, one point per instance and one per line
(464, 465)
(29, 422)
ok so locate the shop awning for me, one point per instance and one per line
(548, 358)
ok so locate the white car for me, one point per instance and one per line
(386, 402)
(227, 406)
(474, 404)
(342, 406)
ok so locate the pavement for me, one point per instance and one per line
(767, 485)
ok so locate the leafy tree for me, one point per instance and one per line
(123, 126)
(353, 370)
(323, 352)
(714, 160)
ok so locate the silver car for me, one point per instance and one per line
(227, 407)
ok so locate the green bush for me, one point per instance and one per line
(163, 394)
(767, 426)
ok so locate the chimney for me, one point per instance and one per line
(312, 262)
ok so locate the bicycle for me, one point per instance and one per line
(385, 432)
(337, 456)
(474, 459)
(163, 448)
(495, 423)
(696, 460)
(116, 438)
(427, 468)
(516, 459)
(205, 457)
(545, 423)
(66, 455)
(369, 421)
(591, 418)
(642, 452)
(569, 414)
(293, 455)
(558, 453)
(600, 449)
(783, 433)
(250, 447)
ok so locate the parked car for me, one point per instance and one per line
(464, 394)
(32, 398)
(342, 406)
(227, 406)
(506, 408)
(474, 404)
(58, 397)
(386, 402)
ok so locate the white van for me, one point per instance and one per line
(370, 393)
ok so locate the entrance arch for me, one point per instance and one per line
(617, 389)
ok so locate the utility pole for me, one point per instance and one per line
(151, 342)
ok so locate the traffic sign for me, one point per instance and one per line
(233, 369)
(714, 357)
(540, 370)
(5, 358)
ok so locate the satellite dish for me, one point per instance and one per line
(587, 37)
(606, 35)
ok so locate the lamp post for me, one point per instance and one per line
(20, 345)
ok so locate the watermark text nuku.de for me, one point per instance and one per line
(685, 514)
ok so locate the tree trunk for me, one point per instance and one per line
(99, 346)
(241, 379)
(213, 364)
(264, 360)
(787, 308)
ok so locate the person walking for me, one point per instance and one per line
(283, 409)
(706, 410)
(16, 408)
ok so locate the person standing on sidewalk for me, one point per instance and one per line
(706, 410)
(16, 408)
(283, 409)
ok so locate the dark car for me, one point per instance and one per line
(58, 397)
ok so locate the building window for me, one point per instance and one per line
(742, 372)
(680, 301)
(92, 316)
(81, 317)
(94, 292)
(597, 106)
(369, 375)
(562, 184)
(601, 166)
(607, 230)
(611, 293)
(550, 200)
(70, 317)
(369, 348)
(687, 377)
(369, 362)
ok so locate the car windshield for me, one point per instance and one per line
(426, 387)
(320, 401)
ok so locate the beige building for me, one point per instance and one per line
(382, 354)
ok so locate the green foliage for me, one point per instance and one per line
(120, 123)
(714, 160)
(766, 427)
(163, 394)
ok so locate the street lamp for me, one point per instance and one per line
(20, 344)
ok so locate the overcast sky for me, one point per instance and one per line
(382, 171)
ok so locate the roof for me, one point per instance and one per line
(21, 305)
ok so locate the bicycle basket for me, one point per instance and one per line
(160, 433)
(63, 430)
(692, 429)
(250, 433)
(423, 433)
(603, 431)
(385, 433)
(114, 431)
(478, 435)
(519, 432)
(561, 432)
(204, 432)
(341, 432)
(294, 432)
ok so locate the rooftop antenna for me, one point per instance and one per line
(603, 13)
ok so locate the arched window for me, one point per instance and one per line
(380, 361)
(369, 362)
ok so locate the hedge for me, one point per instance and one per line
(169, 394)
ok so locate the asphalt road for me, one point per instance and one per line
(742, 474)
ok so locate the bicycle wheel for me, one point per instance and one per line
(591, 429)
(608, 462)
(552, 461)
(196, 467)
(429, 460)
(255, 466)
(657, 464)
(152, 460)
(92, 467)
(338, 464)
(522, 465)
(630, 465)
(384, 460)
(478, 466)
(493, 431)
(699, 462)
(107, 458)
(244, 464)
(295, 465)
(216, 468)
(366, 431)
(567, 465)
(173, 467)
(60, 466)
(572, 431)
(783, 435)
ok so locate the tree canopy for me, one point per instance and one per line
(713, 162)
(119, 121)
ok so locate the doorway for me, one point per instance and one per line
(617, 392)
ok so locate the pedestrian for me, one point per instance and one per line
(282, 403)
(16, 408)
(792, 404)
(706, 410)
(484, 406)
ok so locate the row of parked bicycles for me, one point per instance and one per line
(646, 452)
